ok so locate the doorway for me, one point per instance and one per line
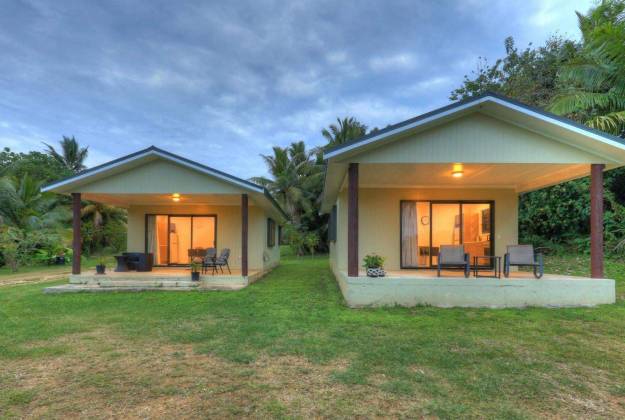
(426, 225)
(174, 239)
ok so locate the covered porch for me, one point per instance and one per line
(452, 177)
(180, 213)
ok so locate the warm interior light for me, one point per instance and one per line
(175, 195)
(176, 199)
(457, 170)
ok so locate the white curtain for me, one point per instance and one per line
(409, 248)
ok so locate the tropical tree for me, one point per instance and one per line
(592, 86)
(37, 165)
(103, 227)
(528, 75)
(295, 177)
(100, 214)
(346, 130)
(71, 155)
(23, 205)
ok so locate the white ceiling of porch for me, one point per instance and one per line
(521, 177)
(126, 200)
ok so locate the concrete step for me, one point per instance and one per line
(149, 283)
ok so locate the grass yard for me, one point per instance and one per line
(288, 347)
(37, 273)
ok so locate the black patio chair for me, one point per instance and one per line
(523, 256)
(208, 260)
(453, 256)
(222, 261)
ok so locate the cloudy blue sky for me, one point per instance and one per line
(221, 82)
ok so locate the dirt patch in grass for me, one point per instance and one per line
(107, 376)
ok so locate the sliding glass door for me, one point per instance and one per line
(426, 225)
(173, 239)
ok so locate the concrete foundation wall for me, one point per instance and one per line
(482, 292)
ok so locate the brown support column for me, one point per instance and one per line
(76, 243)
(244, 230)
(596, 220)
(352, 220)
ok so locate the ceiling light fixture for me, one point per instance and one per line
(457, 170)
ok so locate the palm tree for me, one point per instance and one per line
(294, 173)
(346, 130)
(101, 214)
(72, 156)
(594, 84)
(23, 205)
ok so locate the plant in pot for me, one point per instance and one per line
(195, 270)
(374, 264)
(100, 268)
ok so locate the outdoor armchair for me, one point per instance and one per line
(453, 256)
(208, 260)
(523, 256)
(222, 261)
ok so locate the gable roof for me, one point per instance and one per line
(599, 146)
(151, 152)
(465, 105)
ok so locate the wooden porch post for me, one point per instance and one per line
(76, 242)
(352, 220)
(596, 220)
(244, 230)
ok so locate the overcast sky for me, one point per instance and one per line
(222, 82)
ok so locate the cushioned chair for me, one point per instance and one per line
(222, 260)
(208, 261)
(453, 256)
(523, 256)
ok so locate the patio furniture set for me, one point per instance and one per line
(142, 261)
(214, 262)
(454, 257)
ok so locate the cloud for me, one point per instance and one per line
(395, 62)
(223, 82)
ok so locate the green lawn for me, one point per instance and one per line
(87, 263)
(288, 347)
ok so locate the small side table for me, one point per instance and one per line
(122, 263)
(496, 262)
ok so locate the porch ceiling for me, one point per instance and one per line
(127, 200)
(520, 177)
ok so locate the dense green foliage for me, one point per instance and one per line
(586, 82)
(529, 75)
(35, 226)
(592, 84)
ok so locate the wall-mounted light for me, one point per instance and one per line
(175, 197)
(457, 170)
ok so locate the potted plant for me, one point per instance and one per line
(100, 268)
(375, 265)
(195, 271)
